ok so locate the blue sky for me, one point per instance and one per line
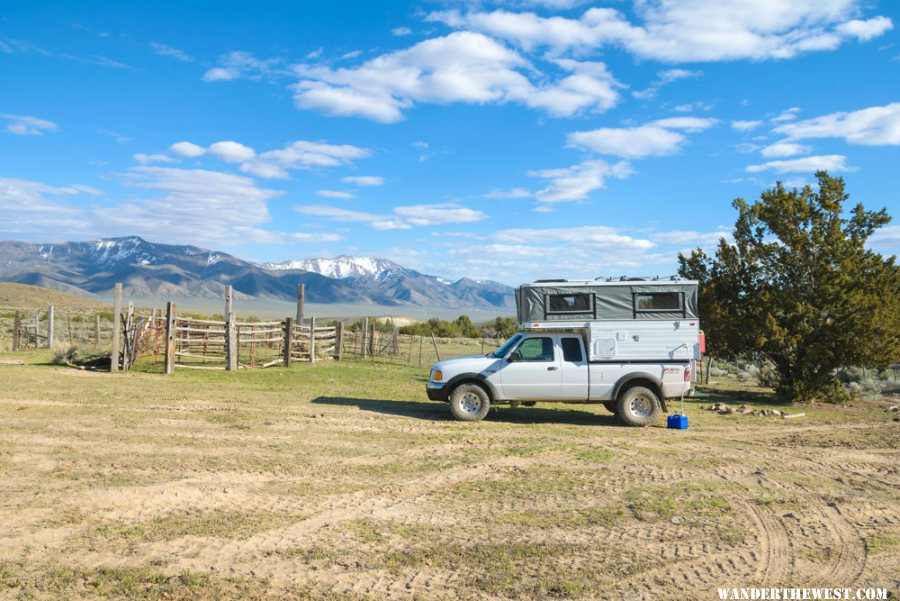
(505, 140)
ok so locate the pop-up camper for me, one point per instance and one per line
(628, 344)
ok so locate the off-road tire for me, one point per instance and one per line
(469, 402)
(638, 406)
(611, 406)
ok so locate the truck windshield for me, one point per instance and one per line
(503, 350)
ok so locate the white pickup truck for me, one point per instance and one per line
(631, 365)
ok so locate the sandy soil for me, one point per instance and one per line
(305, 485)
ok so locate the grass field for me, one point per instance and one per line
(341, 481)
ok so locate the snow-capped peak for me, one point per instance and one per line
(342, 266)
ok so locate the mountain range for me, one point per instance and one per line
(164, 271)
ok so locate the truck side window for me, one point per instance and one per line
(572, 350)
(536, 349)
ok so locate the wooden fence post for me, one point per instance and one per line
(17, 327)
(365, 334)
(436, 351)
(409, 359)
(231, 339)
(50, 329)
(421, 338)
(339, 336)
(97, 330)
(373, 348)
(129, 338)
(312, 339)
(288, 340)
(117, 328)
(301, 294)
(170, 337)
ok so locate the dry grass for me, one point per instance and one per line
(23, 296)
(341, 481)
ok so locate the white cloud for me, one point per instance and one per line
(595, 236)
(363, 180)
(238, 65)
(145, 159)
(692, 238)
(829, 162)
(664, 78)
(745, 125)
(786, 115)
(206, 207)
(302, 154)
(120, 138)
(692, 30)
(461, 67)
(164, 50)
(187, 149)
(40, 210)
(512, 193)
(873, 126)
(784, 149)
(231, 152)
(25, 125)
(886, 237)
(865, 30)
(333, 194)
(578, 181)
(403, 217)
(656, 138)
(401, 31)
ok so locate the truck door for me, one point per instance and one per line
(574, 368)
(532, 370)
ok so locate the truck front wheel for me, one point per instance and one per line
(469, 403)
(638, 406)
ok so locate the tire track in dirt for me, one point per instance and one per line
(241, 557)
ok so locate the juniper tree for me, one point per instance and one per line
(798, 286)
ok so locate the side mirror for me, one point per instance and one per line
(514, 356)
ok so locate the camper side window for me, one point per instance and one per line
(657, 301)
(569, 303)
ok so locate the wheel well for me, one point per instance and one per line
(477, 382)
(640, 381)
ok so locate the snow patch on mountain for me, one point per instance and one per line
(343, 266)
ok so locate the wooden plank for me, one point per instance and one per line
(51, 330)
(170, 338)
(365, 333)
(288, 341)
(231, 343)
(301, 294)
(339, 334)
(207, 367)
(312, 339)
(117, 328)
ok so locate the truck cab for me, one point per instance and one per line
(632, 366)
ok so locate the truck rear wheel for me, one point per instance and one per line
(638, 406)
(469, 403)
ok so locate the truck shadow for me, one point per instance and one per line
(434, 411)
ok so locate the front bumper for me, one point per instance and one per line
(437, 391)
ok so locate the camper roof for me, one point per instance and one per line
(596, 300)
(598, 283)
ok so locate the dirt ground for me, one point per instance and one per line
(341, 481)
